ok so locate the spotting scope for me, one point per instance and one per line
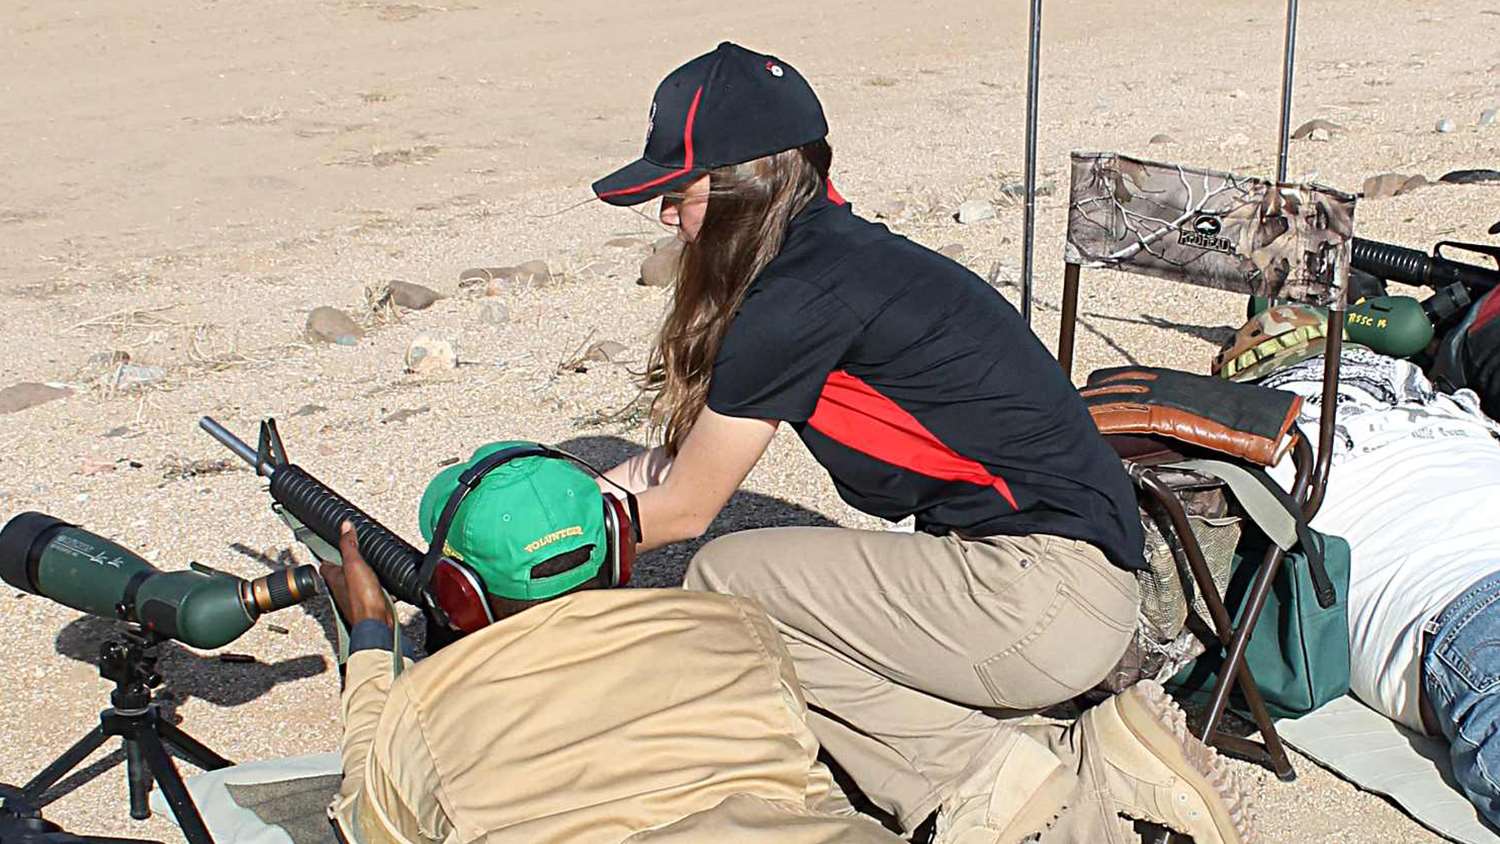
(49, 557)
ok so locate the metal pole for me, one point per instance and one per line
(1028, 220)
(1286, 89)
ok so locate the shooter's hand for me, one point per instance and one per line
(354, 586)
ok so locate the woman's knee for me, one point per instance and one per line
(710, 568)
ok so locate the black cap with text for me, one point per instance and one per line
(725, 107)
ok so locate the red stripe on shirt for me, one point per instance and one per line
(833, 195)
(853, 414)
(1489, 308)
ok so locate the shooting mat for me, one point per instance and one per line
(274, 801)
(1378, 755)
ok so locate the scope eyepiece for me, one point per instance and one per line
(279, 590)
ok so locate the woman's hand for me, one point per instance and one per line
(716, 456)
(639, 473)
(354, 587)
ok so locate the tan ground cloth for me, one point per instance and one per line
(589, 719)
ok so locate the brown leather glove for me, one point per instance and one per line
(1242, 420)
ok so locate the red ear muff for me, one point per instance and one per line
(461, 597)
(621, 538)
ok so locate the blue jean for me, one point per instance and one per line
(1461, 675)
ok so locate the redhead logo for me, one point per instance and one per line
(650, 122)
(774, 69)
(1205, 234)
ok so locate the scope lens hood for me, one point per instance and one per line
(19, 539)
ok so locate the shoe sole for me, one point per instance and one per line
(1042, 810)
(1159, 723)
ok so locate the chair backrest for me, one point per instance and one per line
(1212, 229)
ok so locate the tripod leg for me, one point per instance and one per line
(138, 778)
(60, 767)
(195, 751)
(172, 786)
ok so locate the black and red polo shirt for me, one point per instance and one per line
(920, 389)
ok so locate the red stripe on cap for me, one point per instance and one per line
(853, 414)
(687, 164)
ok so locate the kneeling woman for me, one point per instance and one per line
(921, 391)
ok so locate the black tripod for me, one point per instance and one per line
(137, 719)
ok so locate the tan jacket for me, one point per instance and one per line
(641, 715)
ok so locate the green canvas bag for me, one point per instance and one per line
(1299, 650)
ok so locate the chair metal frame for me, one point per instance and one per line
(1308, 490)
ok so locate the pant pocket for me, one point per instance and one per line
(1470, 648)
(1069, 649)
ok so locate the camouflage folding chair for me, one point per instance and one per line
(1248, 236)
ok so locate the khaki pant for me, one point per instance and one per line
(918, 654)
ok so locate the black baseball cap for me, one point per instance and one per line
(726, 107)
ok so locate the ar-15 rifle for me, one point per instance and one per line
(1455, 284)
(317, 512)
(1403, 326)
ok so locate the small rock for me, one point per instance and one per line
(671, 241)
(29, 394)
(426, 355)
(1384, 185)
(105, 362)
(605, 351)
(404, 414)
(1489, 116)
(1417, 181)
(533, 272)
(1445, 126)
(1320, 134)
(1162, 138)
(975, 211)
(494, 313)
(130, 376)
(624, 242)
(952, 250)
(413, 297)
(117, 431)
(1470, 177)
(91, 467)
(481, 276)
(308, 410)
(895, 210)
(1238, 94)
(1307, 130)
(331, 325)
(1017, 190)
(660, 269)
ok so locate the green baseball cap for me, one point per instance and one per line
(533, 528)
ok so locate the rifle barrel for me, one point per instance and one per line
(241, 449)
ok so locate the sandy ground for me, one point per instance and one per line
(184, 180)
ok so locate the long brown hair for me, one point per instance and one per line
(744, 226)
